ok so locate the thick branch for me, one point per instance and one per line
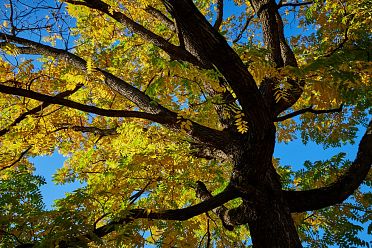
(288, 56)
(289, 59)
(125, 89)
(206, 135)
(266, 10)
(280, 53)
(308, 110)
(207, 152)
(211, 48)
(177, 214)
(160, 16)
(342, 188)
(230, 217)
(75, 105)
(203, 193)
(154, 111)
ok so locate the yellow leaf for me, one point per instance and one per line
(89, 65)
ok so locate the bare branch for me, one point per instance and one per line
(342, 188)
(246, 24)
(308, 110)
(219, 18)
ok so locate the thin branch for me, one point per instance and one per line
(177, 214)
(2, 232)
(309, 110)
(201, 240)
(348, 205)
(219, 12)
(125, 89)
(296, 4)
(95, 130)
(175, 52)
(246, 24)
(11, 18)
(18, 159)
(99, 219)
(137, 195)
(37, 109)
(208, 235)
(75, 105)
(340, 45)
(167, 118)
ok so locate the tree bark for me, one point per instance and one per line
(266, 208)
(266, 212)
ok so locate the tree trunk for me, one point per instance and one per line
(273, 225)
(267, 213)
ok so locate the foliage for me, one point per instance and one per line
(21, 208)
(138, 163)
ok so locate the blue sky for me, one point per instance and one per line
(294, 154)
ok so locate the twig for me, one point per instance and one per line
(208, 235)
(246, 24)
(137, 195)
(340, 45)
(355, 207)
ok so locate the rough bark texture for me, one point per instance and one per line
(266, 208)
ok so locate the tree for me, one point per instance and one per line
(168, 112)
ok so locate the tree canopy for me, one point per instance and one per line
(168, 113)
